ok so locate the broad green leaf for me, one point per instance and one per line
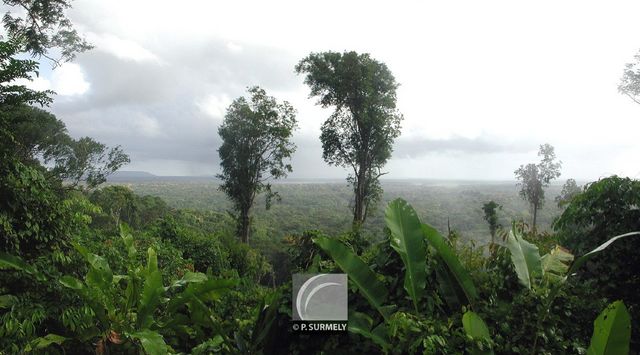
(6, 301)
(15, 262)
(265, 330)
(188, 278)
(452, 295)
(211, 289)
(359, 272)
(477, 329)
(315, 265)
(611, 331)
(206, 291)
(97, 287)
(45, 341)
(474, 326)
(380, 332)
(152, 342)
(71, 282)
(360, 323)
(453, 265)
(132, 292)
(581, 260)
(99, 275)
(81, 249)
(525, 258)
(214, 345)
(556, 264)
(151, 291)
(118, 278)
(152, 261)
(407, 239)
(199, 312)
(127, 238)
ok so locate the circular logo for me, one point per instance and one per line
(316, 298)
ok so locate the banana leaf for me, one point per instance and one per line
(611, 331)
(455, 271)
(359, 273)
(408, 240)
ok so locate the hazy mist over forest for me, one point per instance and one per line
(482, 84)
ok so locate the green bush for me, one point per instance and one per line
(204, 250)
(120, 205)
(606, 208)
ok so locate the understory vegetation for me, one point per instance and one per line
(129, 272)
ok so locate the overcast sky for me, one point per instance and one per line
(483, 83)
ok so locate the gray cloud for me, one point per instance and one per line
(153, 70)
(154, 109)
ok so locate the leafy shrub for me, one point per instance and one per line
(204, 250)
(37, 222)
(110, 247)
(246, 260)
(606, 208)
(135, 309)
(33, 217)
(120, 205)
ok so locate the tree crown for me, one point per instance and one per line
(363, 91)
(255, 145)
(630, 81)
(534, 178)
(42, 25)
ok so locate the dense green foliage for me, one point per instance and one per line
(607, 207)
(321, 205)
(69, 309)
(458, 278)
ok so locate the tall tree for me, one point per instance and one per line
(359, 134)
(90, 162)
(630, 81)
(534, 178)
(36, 217)
(490, 210)
(570, 189)
(256, 142)
(33, 28)
(40, 137)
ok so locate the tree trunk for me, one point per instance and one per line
(535, 216)
(359, 208)
(243, 225)
(492, 246)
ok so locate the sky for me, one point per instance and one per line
(482, 83)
